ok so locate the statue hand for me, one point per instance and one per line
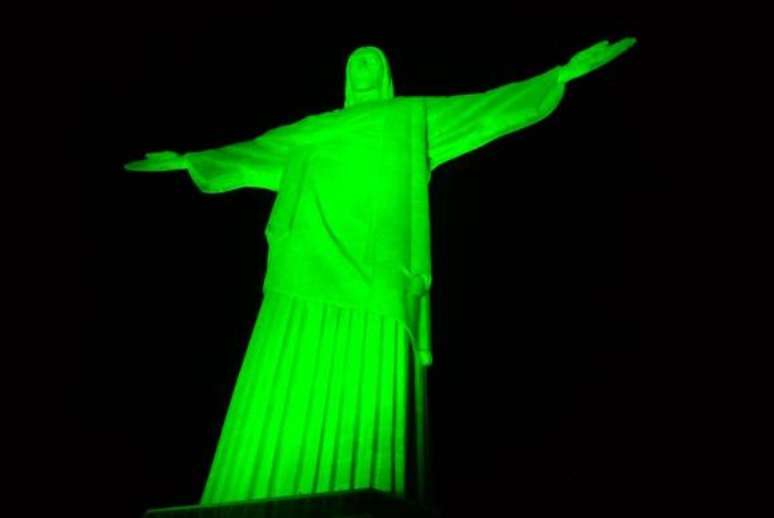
(425, 358)
(594, 57)
(158, 161)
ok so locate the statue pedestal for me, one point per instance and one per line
(350, 504)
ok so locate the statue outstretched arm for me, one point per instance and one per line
(459, 124)
(256, 163)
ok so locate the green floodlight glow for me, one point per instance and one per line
(342, 339)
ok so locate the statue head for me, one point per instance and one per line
(368, 77)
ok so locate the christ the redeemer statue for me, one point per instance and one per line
(333, 381)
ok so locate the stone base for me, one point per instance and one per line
(350, 504)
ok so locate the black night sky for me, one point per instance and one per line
(551, 309)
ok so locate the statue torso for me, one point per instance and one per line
(343, 226)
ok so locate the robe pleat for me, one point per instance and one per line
(321, 404)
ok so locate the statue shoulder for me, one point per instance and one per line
(305, 127)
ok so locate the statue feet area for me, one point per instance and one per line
(350, 504)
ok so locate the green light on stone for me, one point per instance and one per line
(321, 401)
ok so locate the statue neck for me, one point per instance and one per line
(365, 96)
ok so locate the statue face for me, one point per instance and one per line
(365, 70)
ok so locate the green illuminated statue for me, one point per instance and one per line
(335, 369)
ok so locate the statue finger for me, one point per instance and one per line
(137, 165)
(600, 45)
(622, 46)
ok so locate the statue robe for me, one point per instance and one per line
(349, 241)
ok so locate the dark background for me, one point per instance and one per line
(553, 308)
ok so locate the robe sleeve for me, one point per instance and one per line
(256, 163)
(462, 123)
